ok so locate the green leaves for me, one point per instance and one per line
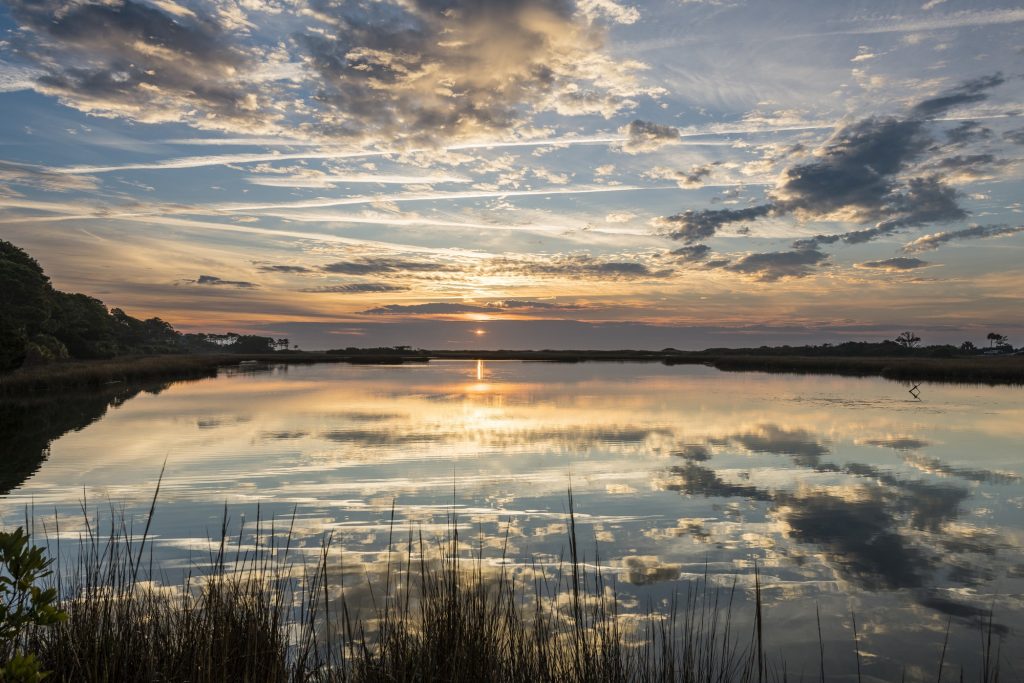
(23, 604)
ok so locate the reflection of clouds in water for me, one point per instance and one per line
(828, 494)
(642, 570)
(885, 533)
(899, 443)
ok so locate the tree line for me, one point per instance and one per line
(39, 323)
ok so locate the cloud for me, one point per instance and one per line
(130, 59)
(535, 305)
(858, 176)
(409, 71)
(695, 252)
(690, 179)
(901, 443)
(454, 308)
(356, 288)
(799, 444)
(967, 132)
(779, 265)
(897, 264)
(421, 70)
(384, 265)
(214, 281)
(279, 268)
(935, 240)
(429, 309)
(694, 226)
(43, 178)
(970, 92)
(1015, 136)
(645, 570)
(575, 266)
(645, 136)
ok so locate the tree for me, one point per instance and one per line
(24, 303)
(996, 339)
(908, 340)
(968, 347)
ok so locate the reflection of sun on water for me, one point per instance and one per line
(480, 387)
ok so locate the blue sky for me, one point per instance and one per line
(523, 173)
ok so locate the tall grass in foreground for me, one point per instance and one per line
(266, 611)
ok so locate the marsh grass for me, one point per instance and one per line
(265, 610)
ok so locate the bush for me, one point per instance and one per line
(24, 605)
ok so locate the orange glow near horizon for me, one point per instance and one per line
(479, 332)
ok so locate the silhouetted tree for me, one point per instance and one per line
(39, 323)
(996, 339)
(908, 339)
(968, 347)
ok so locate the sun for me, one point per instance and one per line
(479, 332)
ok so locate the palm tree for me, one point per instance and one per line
(996, 339)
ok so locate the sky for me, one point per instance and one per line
(524, 173)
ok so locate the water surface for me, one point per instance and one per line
(848, 493)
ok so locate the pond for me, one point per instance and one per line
(851, 496)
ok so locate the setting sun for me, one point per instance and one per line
(479, 332)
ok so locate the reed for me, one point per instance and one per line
(262, 610)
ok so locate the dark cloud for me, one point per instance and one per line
(717, 263)
(431, 308)
(694, 452)
(902, 443)
(646, 135)
(694, 226)
(897, 263)
(920, 201)
(274, 268)
(804, 447)
(575, 266)
(778, 265)
(132, 59)
(871, 538)
(695, 176)
(970, 92)
(535, 305)
(967, 132)
(214, 281)
(460, 307)
(1015, 136)
(384, 265)
(935, 240)
(859, 176)
(974, 164)
(695, 252)
(356, 288)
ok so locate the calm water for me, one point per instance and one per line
(847, 492)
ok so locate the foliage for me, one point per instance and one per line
(24, 605)
(908, 339)
(997, 340)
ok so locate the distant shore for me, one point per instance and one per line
(84, 375)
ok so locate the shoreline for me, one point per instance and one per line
(90, 374)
